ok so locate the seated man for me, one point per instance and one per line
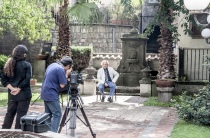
(107, 77)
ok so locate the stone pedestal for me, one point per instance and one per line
(39, 67)
(165, 94)
(91, 72)
(89, 87)
(145, 83)
(145, 90)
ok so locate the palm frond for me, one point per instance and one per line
(82, 12)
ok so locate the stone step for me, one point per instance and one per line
(128, 90)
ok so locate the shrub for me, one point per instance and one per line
(3, 59)
(81, 56)
(195, 108)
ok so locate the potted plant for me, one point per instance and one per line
(167, 13)
(116, 12)
(42, 55)
(33, 81)
(129, 9)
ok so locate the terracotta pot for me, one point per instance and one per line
(125, 22)
(41, 57)
(165, 82)
(116, 22)
(33, 81)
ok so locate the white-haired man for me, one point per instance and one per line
(107, 77)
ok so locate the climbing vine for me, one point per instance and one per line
(166, 15)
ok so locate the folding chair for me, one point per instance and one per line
(98, 93)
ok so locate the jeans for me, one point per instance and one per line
(54, 110)
(111, 85)
(15, 107)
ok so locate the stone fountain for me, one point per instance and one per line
(133, 59)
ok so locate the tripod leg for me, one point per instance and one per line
(62, 124)
(73, 115)
(35, 100)
(87, 122)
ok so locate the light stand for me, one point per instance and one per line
(207, 40)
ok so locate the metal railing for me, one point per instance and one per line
(191, 63)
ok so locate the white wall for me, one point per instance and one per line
(186, 41)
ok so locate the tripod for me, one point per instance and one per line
(75, 101)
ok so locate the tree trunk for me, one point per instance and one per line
(63, 47)
(167, 58)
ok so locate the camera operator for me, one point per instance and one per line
(54, 80)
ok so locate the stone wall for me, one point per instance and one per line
(103, 38)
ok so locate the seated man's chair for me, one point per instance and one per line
(98, 93)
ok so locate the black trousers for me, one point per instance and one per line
(18, 108)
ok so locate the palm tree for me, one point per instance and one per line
(63, 32)
(167, 57)
(80, 13)
(168, 10)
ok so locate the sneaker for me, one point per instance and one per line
(103, 97)
(110, 99)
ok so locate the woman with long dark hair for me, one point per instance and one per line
(16, 77)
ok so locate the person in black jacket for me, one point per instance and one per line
(16, 77)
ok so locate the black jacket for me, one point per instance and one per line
(21, 79)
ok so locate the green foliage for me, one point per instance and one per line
(131, 7)
(35, 95)
(195, 108)
(25, 19)
(153, 101)
(83, 12)
(207, 60)
(124, 9)
(183, 129)
(167, 17)
(81, 56)
(3, 59)
(3, 99)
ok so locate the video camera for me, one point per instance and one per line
(75, 80)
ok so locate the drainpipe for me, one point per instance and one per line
(140, 24)
(209, 74)
(113, 40)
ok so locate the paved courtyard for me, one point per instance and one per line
(124, 118)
